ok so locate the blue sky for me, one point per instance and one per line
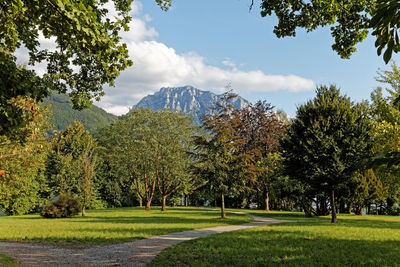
(210, 43)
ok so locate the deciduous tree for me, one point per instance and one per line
(88, 52)
(22, 160)
(349, 21)
(262, 129)
(327, 142)
(221, 163)
(151, 148)
(70, 164)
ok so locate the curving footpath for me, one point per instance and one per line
(136, 253)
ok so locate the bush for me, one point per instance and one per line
(64, 207)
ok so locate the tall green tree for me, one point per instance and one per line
(369, 190)
(270, 171)
(349, 21)
(327, 142)
(174, 137)
(22, 183)
(149, 148)
(88, 53)
(70, 164)
(220, 161)
(385, 113)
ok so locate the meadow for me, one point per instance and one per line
(7, 261)
(353, 241)
(106, 226)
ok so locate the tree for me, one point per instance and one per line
(369, 190)
(70, 164)
(88, 52)
(386, 133)
(88, 162)
(151, 148)
(219, 159)
(271, 170)
(174, 136)
(350, 21)
(327, 142)
(22, 161)
(262, 129)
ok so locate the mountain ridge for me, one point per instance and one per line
(186, 99)
(63, 115)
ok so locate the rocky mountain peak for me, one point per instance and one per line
(186, 99)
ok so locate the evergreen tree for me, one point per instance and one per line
(327, 142)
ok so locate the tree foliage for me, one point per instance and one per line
(88, 53)
(148, 150)
(369, 190)
(349, 21)
(327, 142)
(220, 161)
(22, 162)
(263, 129)
(384, 109)
(70, 163)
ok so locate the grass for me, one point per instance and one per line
(355, 240)
(7, 261)
(110, 225)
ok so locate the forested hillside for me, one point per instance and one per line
(63, 114)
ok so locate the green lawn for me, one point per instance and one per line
(7, 261)
(355, 240)
(110, 225)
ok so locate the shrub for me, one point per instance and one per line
(64, 207)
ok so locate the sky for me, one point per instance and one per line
(211, 44)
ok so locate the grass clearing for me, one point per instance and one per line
(7, 261)
(355, 240)
(110, 225)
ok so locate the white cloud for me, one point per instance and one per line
(156, 65)
(229, 63)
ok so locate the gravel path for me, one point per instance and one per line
(135, 253)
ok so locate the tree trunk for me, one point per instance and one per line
(349, 207)
(164, 201)
(333, 206)
(140, 201)
(358, 210)
(266, 200)
(223, 207)
(148, 203)
(306, 206)
(342, 207)
(83, 211)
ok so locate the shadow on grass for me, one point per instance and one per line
(345, 220)
(261, 247)
(156, 220)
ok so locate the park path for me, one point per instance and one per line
(136, 253)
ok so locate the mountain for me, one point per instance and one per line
(63, 114)
(187, 99)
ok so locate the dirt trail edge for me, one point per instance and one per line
(136, 253)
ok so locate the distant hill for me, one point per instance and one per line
(63, 114)
(187, 99)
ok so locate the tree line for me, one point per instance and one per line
(334, 156)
